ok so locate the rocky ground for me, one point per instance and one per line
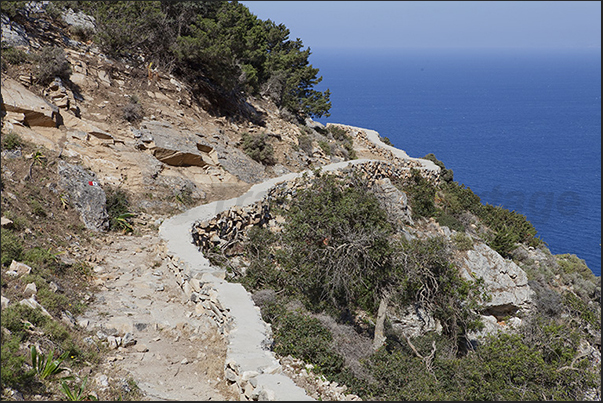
(173, 353)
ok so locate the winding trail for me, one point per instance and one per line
(249, 332)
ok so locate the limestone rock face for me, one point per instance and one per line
(240, 164)
(13, 34)
(412, 321)
(506, 282)
(393, 200)
(79, 19)
(85, 194)
(171, 146)
(29, 109)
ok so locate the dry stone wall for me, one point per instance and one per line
(397, 163)
(228, 226)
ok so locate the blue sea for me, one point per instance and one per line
(521, 128)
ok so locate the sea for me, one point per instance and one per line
(520, 127)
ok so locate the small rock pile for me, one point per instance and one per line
(227, 225)
(317, 386)
(202, 294)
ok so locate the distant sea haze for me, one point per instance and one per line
(521, 128)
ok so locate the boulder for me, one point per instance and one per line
(32, 110)
(85, 194)
(240, 164)
(30, 289)
(506, 282)
(79, 19)
(6, 222)
(171, 146)
(32, 303)
(78, 126)
(394, 201)
(314, 125)
(5, 301)
(19, 268)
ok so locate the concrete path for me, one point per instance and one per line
(249, 331)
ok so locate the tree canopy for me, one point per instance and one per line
(220, 42)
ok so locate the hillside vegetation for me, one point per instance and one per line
(220, 48)
(338, 261)
(369, 282)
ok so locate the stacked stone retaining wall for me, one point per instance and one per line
(229, 226)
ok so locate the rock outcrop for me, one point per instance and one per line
(23, 107)
(173, 147)
(506, 282)
(85, 195)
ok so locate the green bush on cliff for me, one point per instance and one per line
(12, 55)
(304, 337)
(446, 175)
(336, 241)
(258, 148)
(11, 246)
(51, 62)
(421, 195)
(509, 367)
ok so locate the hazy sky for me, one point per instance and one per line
(428, 24)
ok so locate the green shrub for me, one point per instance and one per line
(53, 10)
(14, 374)
(507, 367)
(570, 263)
(15, 318)
(11, 141)
(51, 63)
(56, 331)
(421, 195)
(399, 375)
(341, 136)
(547, 300)
(132, 111)
(118, 205)
(430, 280)
(12, 55)
(43, 260)
(11, 247)
(37, 209)
(338, 133)
(262, 270)
(53, 302)
(82, 33)
(449, 221)
(11, 8)
(305, 338)
(582, 310)
(462, 241)
(325, 146)
(457, 199)
(446, 175)
(258, 148)
(335, 243)
(350, 149)
(386, 140)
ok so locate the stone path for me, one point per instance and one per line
(178, 354)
